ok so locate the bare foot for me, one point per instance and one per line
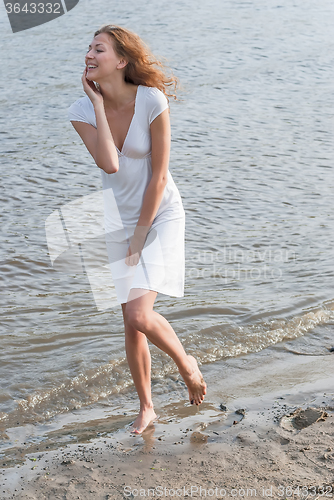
(194, 381)
(145, 417)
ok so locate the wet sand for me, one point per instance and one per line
(277, 444)
(255, 457)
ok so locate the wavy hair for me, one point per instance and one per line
(143, 67)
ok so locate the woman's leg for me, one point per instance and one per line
(139, 360)
(139, 315)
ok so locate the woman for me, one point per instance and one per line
(124, 123)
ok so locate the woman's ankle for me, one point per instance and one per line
(146, 406)
(187, 367)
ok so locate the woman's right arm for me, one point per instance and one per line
(98, 141)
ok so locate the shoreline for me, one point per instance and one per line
(220, 451)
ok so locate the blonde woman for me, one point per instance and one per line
(124, 122)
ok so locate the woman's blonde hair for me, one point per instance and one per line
(143, 67)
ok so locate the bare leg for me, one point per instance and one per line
(140, 316)
(139, 360)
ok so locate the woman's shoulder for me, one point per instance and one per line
(156, 102)
(83, 102)
(82, 110)
(151, 92)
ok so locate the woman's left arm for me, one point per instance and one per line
(161, 139)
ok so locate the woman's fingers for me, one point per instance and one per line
(90, 88)
(87, 84)
(131, 259)
(134, 251)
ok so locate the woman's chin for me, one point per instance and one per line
(90, 78)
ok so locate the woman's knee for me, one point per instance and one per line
(137, 319)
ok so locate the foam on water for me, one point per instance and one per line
(208, 345)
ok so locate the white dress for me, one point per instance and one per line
(161, 267)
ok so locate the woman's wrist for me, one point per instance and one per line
(98, 105)
(140, 232)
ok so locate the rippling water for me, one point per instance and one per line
(252, 156)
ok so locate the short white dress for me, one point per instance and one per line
(162, 264)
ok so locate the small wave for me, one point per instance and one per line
(207, 345)
(226, 340)
(86, 388)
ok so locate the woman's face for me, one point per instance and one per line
(101, 59)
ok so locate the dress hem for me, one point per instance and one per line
(155, 289)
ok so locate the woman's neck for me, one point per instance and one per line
(116, 95)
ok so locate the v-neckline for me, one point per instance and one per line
(134, 112)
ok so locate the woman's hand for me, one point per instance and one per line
(136, 246)
(134, 252)
(90, 88)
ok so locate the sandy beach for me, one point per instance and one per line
(277, 444)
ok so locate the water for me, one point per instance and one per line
(252, 156)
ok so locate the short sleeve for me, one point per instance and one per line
(156, 103)
(76, 112)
